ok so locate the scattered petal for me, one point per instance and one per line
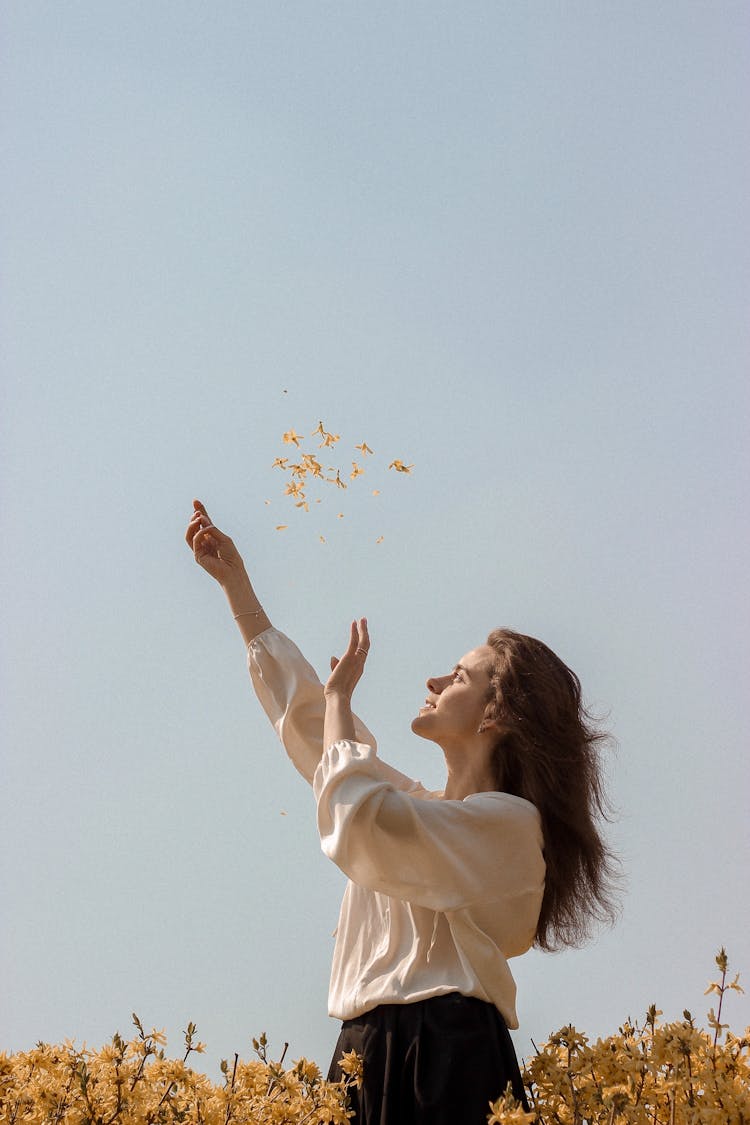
(400, 467)
(380, 539)
(364, 448)
(281, 526)
(291, 438)
(328, 439)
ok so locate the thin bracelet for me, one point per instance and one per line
(249, 613)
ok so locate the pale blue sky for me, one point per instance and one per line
(507, 242)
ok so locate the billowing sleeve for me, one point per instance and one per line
(443, 855)
(291, 695)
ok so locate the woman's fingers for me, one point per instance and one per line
(204, 539)
(192, 528)
(363, 636)
(347, 671)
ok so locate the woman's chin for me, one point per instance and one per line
(420, 725)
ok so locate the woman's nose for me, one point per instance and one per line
(435, 684)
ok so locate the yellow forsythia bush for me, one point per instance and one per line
(649, 1074)
(133, 1083)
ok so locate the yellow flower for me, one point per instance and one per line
(400, 467)
(280, 462)
(364, 448)
(351, 1064)
(328, 438)
(312, 464)
(291, 438)
(357, 471)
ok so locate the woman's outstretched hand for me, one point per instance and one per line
(347, 672)
(213, 550)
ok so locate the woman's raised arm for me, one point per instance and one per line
(217, 554)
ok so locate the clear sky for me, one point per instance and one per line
(507, 242)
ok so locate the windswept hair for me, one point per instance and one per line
(548, 752)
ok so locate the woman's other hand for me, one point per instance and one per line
(212, 549)
(347, 672)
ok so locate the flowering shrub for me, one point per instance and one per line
(647, 1074)
(132, 1083)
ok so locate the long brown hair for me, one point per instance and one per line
(548, 752)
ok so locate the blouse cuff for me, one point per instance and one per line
(347, 756)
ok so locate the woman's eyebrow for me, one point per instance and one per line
(461, 668)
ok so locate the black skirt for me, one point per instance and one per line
(439, 1061)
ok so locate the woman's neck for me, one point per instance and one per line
(468, 773)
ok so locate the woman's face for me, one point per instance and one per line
(456, 703)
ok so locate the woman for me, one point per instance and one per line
(443, 888)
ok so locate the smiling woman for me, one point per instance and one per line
(443, 887)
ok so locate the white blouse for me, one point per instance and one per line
(440, 893)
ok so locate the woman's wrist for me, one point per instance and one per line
(338, 723)
(249, 614)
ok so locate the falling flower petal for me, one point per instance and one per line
(357, 471)
(336, 480)
(400, 467)
(312, 464)
(281, 526)
(364, 448)
(291, 438)
(380, 539)
(280, 463)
